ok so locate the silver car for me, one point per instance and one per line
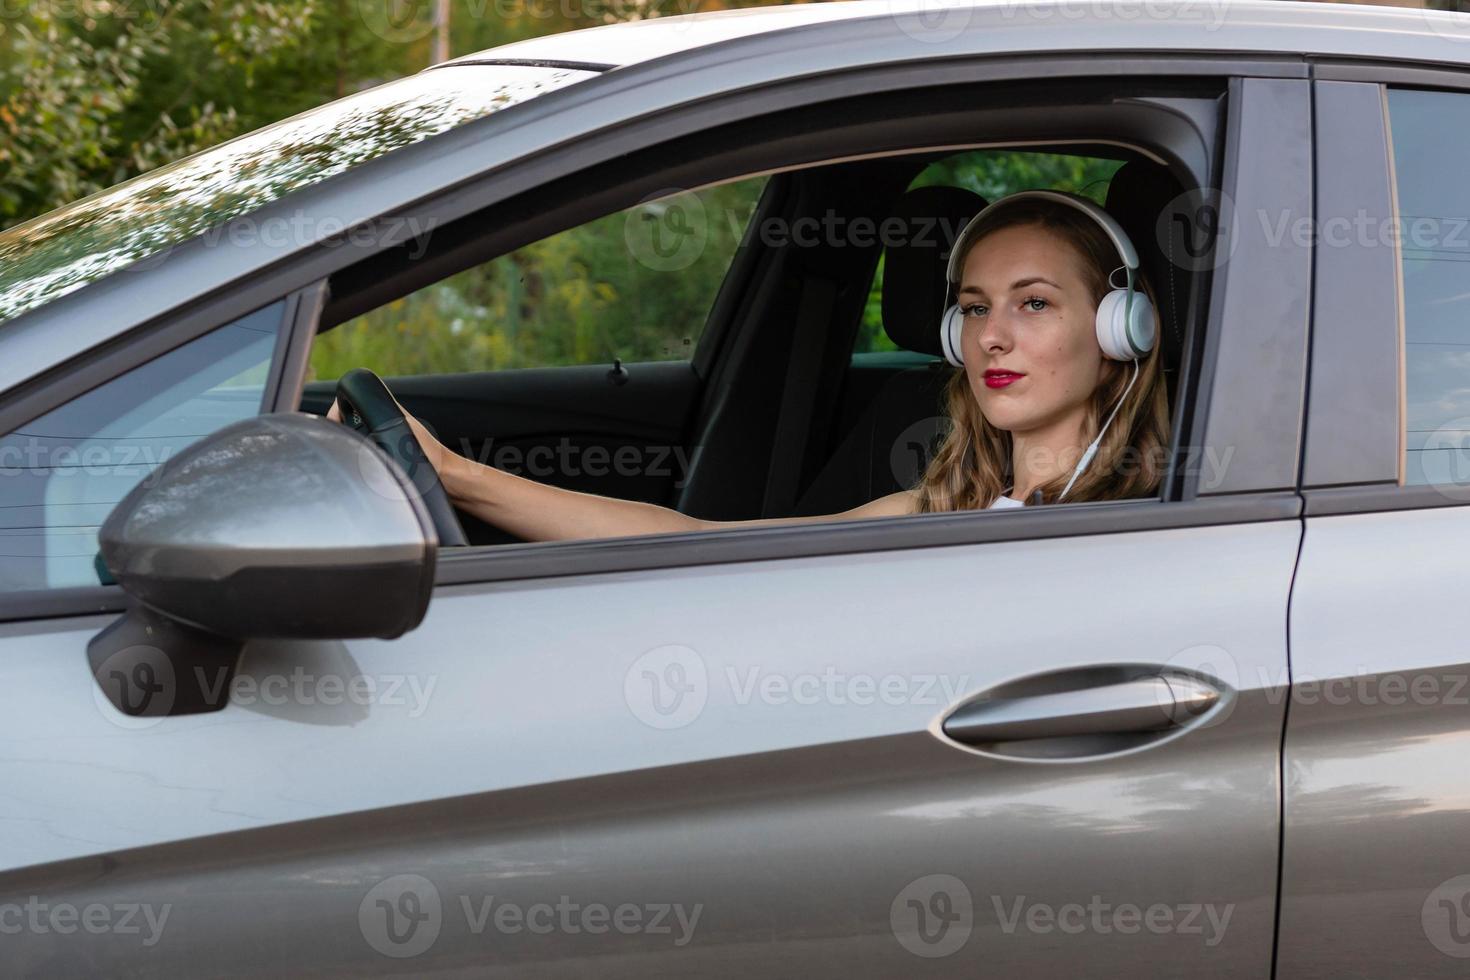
(274, 709)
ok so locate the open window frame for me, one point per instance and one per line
(1165, 120)
(581, 178)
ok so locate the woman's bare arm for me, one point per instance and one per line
(537, 512)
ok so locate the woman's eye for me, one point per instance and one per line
(1035, 303)
(975, 310)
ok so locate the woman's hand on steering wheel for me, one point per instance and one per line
(435, 451)
(365, 404)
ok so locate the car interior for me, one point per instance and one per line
(812, 381)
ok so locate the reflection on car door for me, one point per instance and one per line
(700, 771)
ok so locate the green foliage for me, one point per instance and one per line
(91, 94)
(584, 296)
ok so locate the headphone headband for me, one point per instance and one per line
(1114, 231)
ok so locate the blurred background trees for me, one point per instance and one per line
(93, 92)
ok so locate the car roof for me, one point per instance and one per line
(632, 42)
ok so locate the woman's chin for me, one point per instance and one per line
(1001, 414)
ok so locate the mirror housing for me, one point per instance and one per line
(285, 526)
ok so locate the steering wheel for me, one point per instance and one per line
(368, 407)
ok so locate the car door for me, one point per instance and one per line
(1374, 879)
(1011, 742)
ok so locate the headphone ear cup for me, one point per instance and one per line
(1123, 334)
(950, 327)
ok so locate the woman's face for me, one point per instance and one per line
(1029, 340)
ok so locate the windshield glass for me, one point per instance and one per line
(80, 243)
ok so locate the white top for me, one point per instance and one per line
(1004, 501)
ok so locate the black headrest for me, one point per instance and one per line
(913, 264)
(1142, 197)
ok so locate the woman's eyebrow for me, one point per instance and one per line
(1018, 284)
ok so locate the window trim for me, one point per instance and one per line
(1353, 423)
(517, 563)
(1250, 292)
(292, 357)
(1389, 73)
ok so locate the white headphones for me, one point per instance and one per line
(1125, 317)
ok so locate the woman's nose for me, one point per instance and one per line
(994, 333)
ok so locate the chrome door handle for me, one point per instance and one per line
(1146, 704)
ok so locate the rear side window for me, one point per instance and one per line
(64, 471)
(1431, 144)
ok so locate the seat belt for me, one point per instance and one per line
(803, 374)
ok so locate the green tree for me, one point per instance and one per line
(88, 101)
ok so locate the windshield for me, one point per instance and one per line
(80, 243)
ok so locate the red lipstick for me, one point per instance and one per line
(995, 378)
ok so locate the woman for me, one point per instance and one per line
(1037, 407)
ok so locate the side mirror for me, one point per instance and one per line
(279, 526)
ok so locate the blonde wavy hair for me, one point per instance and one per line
(972, 466)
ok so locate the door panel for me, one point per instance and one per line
(752, 746)
(1374, 877)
